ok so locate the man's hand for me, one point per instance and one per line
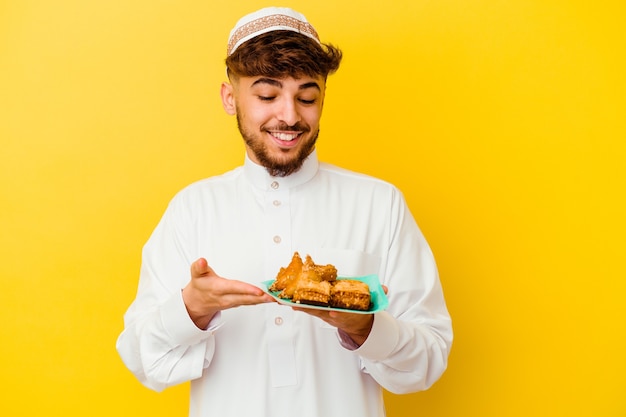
(357, 326)
(207, 293)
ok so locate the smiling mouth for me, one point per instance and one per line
(285, 136)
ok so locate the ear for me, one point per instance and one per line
(228, 98)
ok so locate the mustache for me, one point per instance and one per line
(298, 127)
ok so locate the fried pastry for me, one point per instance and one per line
(287, 278)
(288, 274)
(325, 272)
(350, 294)
(312, 292)
(309, 283)
(307, 273)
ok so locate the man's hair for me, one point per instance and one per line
(283, 53)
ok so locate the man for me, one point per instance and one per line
(200, 314)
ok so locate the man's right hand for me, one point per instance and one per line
(207, 293)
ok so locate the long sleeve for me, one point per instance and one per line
(160, 344)
(409, 344)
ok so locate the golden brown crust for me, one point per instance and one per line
(312, 292)
(286, 275)
(350, 294)
(287, 278)
(309, 283)
(324, 272)
(307, 273)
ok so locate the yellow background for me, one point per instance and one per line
(502, 121)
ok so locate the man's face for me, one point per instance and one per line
(278, 118)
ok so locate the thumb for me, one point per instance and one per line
(200, 268)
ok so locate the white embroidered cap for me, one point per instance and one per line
(267, 20)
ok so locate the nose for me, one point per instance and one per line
(288, 112)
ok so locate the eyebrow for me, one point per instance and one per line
(277, 83)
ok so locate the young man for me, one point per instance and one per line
(200, 314)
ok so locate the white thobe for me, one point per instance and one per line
(268, 360)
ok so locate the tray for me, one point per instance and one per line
(379, 298)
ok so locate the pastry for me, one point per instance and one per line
(325, 272)
(312, 292)
(307, 274)
(309, 283)
(350, 294)
(288, 274)
(287, 278)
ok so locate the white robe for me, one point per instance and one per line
(268, 360)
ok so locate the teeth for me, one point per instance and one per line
(285, 136)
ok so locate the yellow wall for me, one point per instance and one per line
(502, 121)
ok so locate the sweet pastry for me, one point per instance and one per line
(297, 271)
(288, 274)
(350, 294)
(309, 283)
(307, 274)
(312, 292)
(325, 272)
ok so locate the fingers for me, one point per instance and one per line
(234, 287)
(200, 268)
(207, 280)
(236, 300)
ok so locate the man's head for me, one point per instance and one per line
(277, 69)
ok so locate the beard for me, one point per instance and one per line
(277, 166)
